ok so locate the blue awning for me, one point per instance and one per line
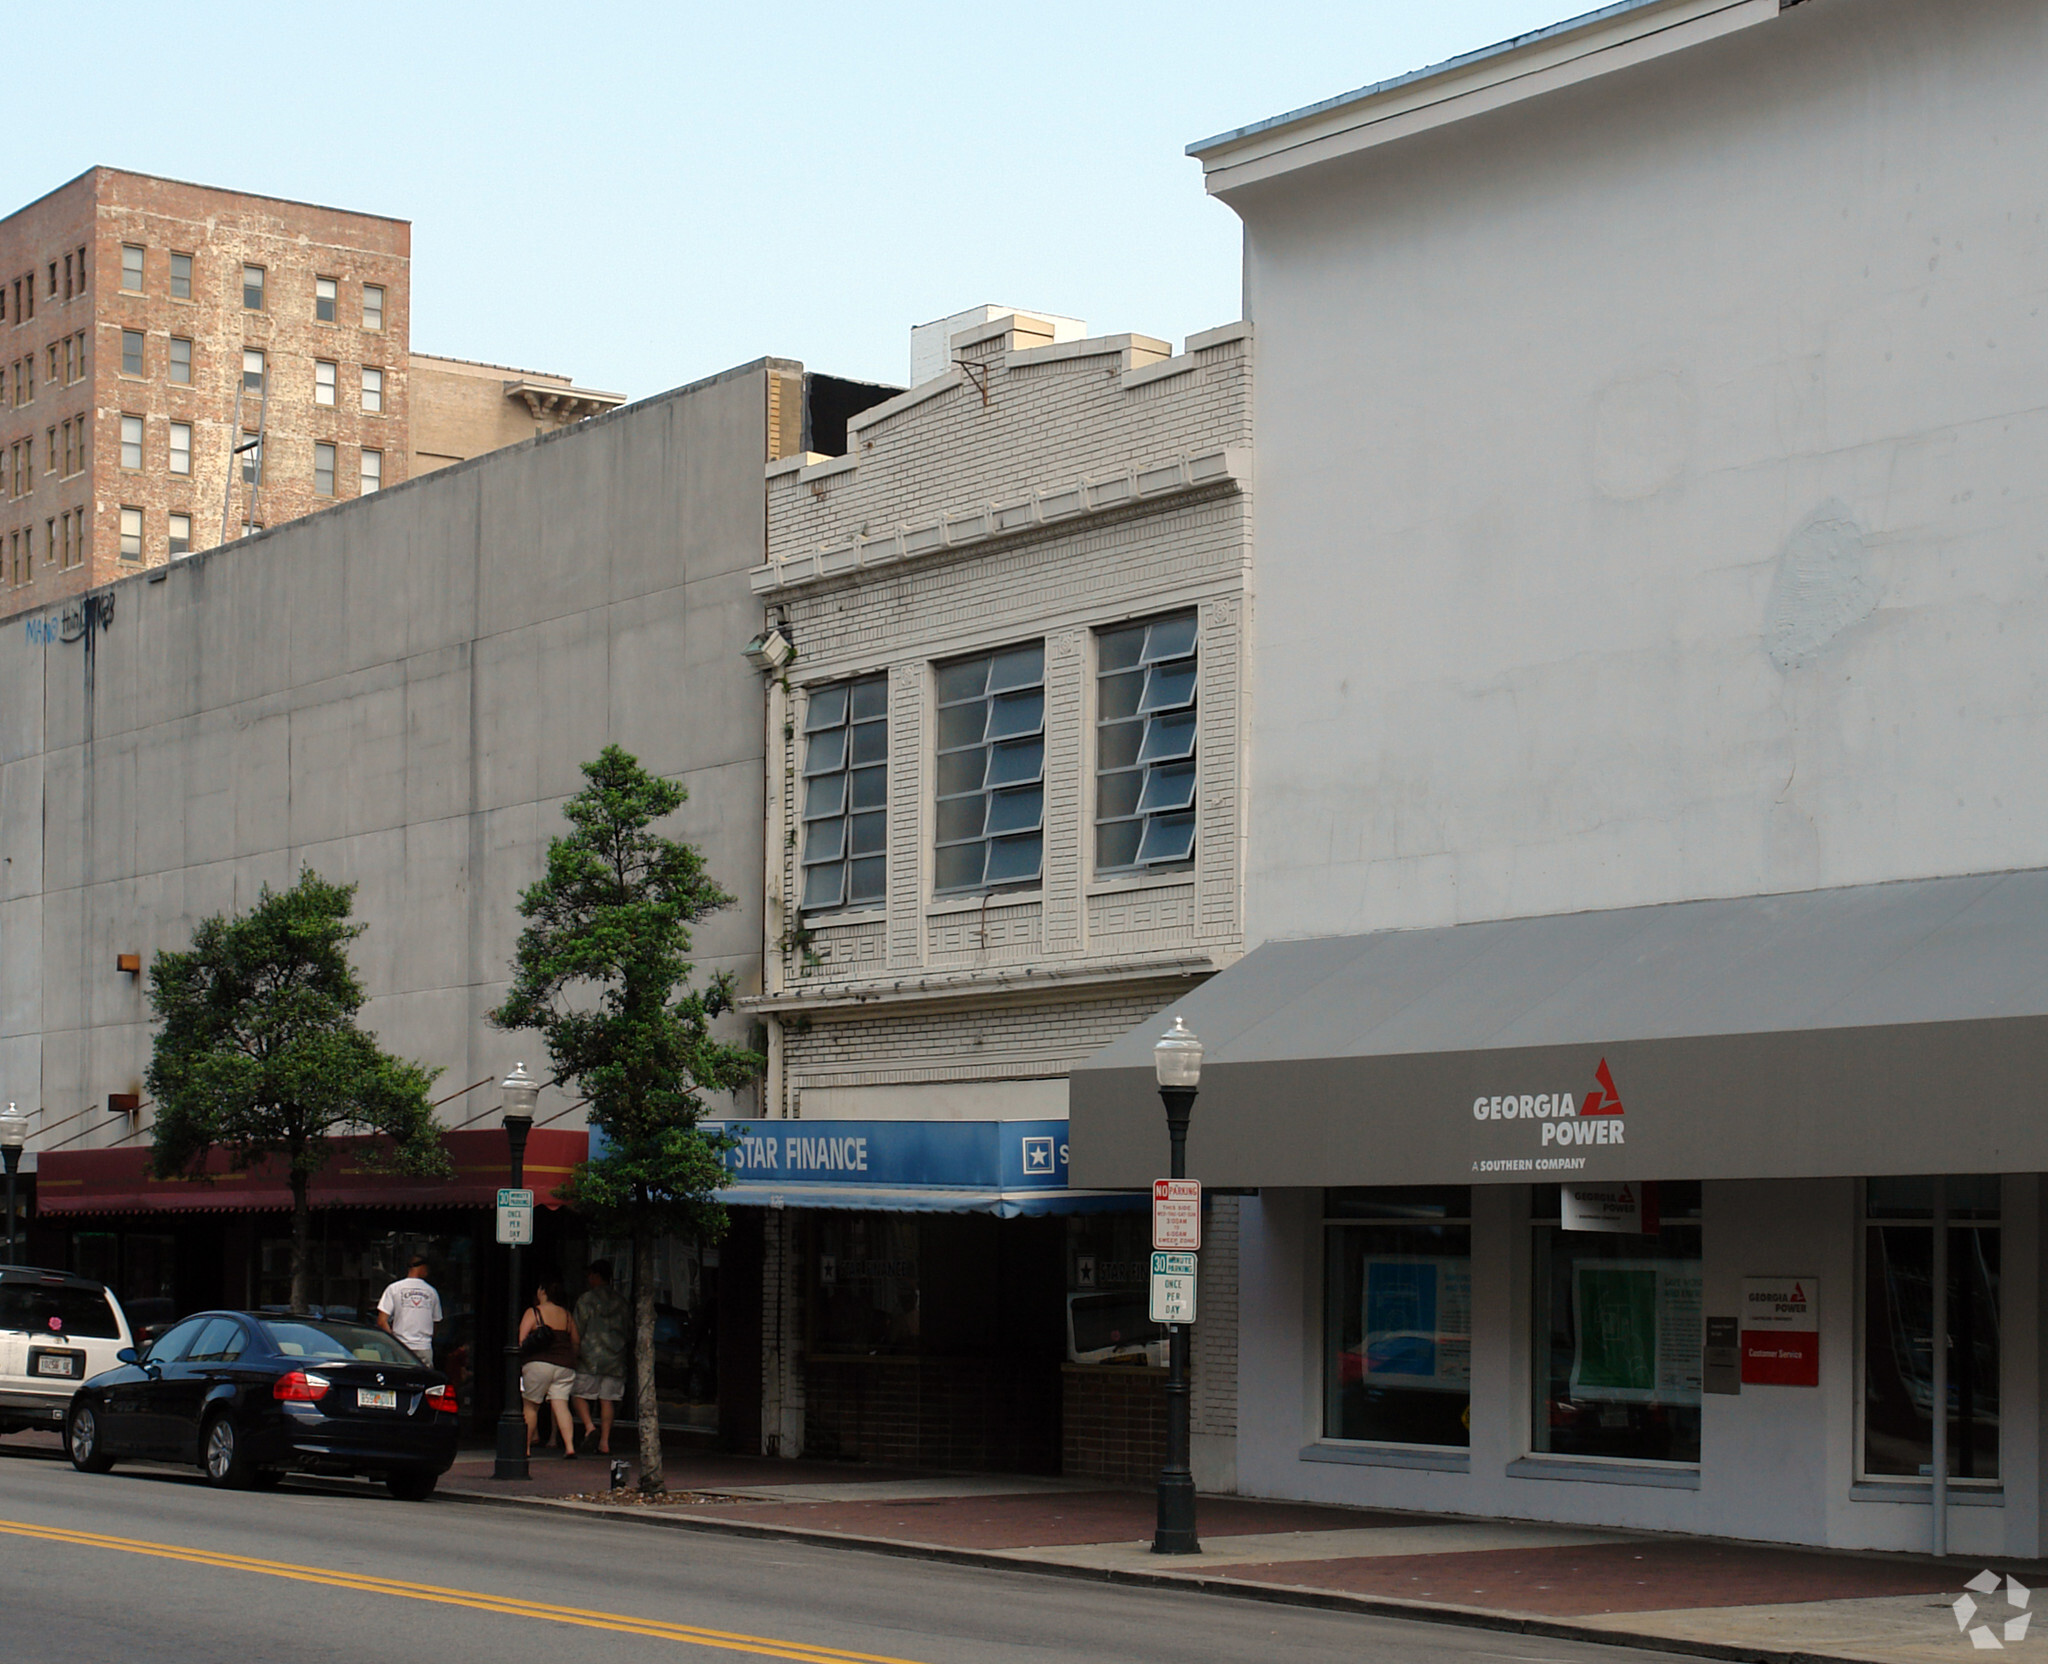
(1007, 1168)
(933, 1199)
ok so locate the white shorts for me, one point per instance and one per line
(538, 1380)
(608, 1387)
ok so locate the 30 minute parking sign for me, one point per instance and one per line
(1173, 1288)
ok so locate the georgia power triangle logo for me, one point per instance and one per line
(1982, 1636)
(1561, 1120)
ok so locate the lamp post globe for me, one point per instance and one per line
(1177, 1064)
(13, 1134)
(522, 1093)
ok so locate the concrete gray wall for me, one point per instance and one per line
(397, 692)
(1652, 484)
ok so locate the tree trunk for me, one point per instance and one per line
(651, 1480)
(302, 1243)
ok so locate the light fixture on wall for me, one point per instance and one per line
(771, 649)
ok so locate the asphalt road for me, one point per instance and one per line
(149, 1564)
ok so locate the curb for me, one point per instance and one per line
(1326, 1600)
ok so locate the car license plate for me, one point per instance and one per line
(57, 1363)
(369, 1398)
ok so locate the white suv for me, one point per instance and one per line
(55, 1331)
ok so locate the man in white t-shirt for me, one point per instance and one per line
(410, 1308)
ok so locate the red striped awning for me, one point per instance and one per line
(119, 1181)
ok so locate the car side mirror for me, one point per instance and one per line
(125, 1356)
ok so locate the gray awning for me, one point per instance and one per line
(1887, 1028)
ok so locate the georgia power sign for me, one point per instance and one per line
(1556, 1123)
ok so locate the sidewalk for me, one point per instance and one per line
(1682, 1594)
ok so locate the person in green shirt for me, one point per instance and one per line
(604, 1323)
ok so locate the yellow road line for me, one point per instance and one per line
(363, 1583)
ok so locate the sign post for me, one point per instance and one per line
(515, 1217)
(1173, 1288)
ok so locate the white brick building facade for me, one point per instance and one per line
(1033, 493)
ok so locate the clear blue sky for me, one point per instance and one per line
(642, 194)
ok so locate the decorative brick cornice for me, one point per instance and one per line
(992, 522)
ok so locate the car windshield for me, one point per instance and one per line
(51, 1308)
(334, 1343)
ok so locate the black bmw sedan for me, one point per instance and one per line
(251, 1396)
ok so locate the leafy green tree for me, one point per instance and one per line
(259, 1053)
(601, 971)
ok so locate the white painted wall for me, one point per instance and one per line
(953, 1100)
(1777, 1463)
(1652, 481)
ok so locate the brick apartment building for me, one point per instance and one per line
(151, 330)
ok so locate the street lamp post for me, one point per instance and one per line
(13, 1134)
(521, 1091)
(1177, 1061)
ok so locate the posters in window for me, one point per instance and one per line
(1636, 1331)
(1418, 1322)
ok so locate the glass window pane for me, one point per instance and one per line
(181, 361)
(373, 391)
(962, 681)
(958, 866)
(824, 886)
(1119, 649)
(1020, 667)
(1168, 838)
(1116, 795)
(1016, 762)
(825, 752)
(1400, 1201)
(870, 836)
(1170, 787)
(960, 817)
(827, 708)
(1618, 1337)
(131, 352)
(131, 267)
(1119, 696)
(867, 881)
(1016, 811)
(1012, 714)
(824, 840)
(1116, 844)
(1168, 738)
(1898, 1355)
(870, 742)
(961, 725)
(871, 699)
(1169, 686)
(826, 795)
(1171, 638)
(870, 788)
(961, 771)
(1117, 745)
(181, 277)
(1014, 860)
(1397, 1347)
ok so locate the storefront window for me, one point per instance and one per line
(866, 1291)
(685, 1324)
(355, 1259)
(1108, 1291)
(140, 1267)
(1898, 1326)
(1398, 1327)
(1618, 1333)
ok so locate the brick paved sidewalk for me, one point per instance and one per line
(1704, 1594)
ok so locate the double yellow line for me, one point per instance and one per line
(692, 1635)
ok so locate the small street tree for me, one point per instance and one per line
(601, 972)
(259, 1053)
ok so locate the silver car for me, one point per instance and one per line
(55, 1331)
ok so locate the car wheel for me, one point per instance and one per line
(83, 1441)
(220, 1455)
(410, 1485)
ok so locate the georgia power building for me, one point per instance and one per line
(1639, 1078)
